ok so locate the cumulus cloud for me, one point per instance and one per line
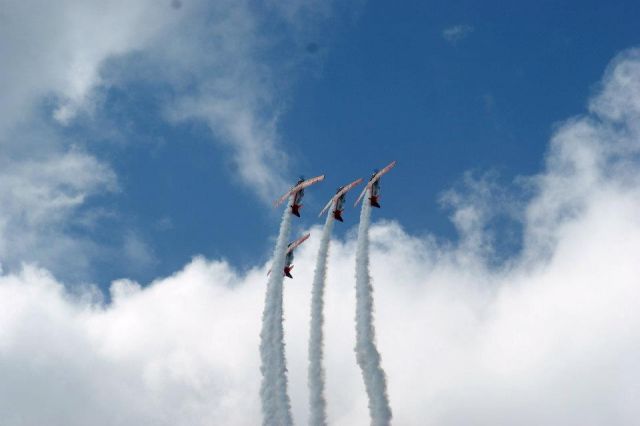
(456, 33)
(550, 337)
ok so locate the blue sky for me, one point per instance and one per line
(388, 86)
(364, 86)
(142, 144)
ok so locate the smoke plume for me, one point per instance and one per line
(276, 406)
(367, 353)
(317, 401)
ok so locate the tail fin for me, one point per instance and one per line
(374, 201)
(287, 271)
(295, 209)
(337, 214)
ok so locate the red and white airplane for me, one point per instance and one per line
(374, 186)
(288, 263)
(298, 192)
(337, 201)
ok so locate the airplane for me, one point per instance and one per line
(374, 185)
(288, 263)
(298, 192)
(338, 200)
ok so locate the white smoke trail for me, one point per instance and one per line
(283, 400)
(276, 406)
(367, 353)
(317, 401)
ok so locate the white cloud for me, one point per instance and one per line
(57, 49)
(456, 33)
(219, 60)
(38, 196)
(211, 58)
(550, 338)
(476, 204)
(138, 254)
(53, 53)
(619, 100)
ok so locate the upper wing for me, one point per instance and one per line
(299, 241)
(309, 182)
(350, 186)
(384, 171)
(297, 188)
(342, 191)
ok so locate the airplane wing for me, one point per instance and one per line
(385, 170)
(297, 188)
(299, 241)
(344, 190)
(361, 195)
(349, 187)
(325, 208)
(310, 182)
(378, 175)
(281, 199)
(295, 244)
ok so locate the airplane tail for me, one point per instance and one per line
(295, 209)
(374, 201)
(287, 271)
(337, 215)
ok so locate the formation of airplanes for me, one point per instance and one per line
(296, 193)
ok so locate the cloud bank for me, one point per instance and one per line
(551, 336)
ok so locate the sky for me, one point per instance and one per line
(142, 144)
(211, 112)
